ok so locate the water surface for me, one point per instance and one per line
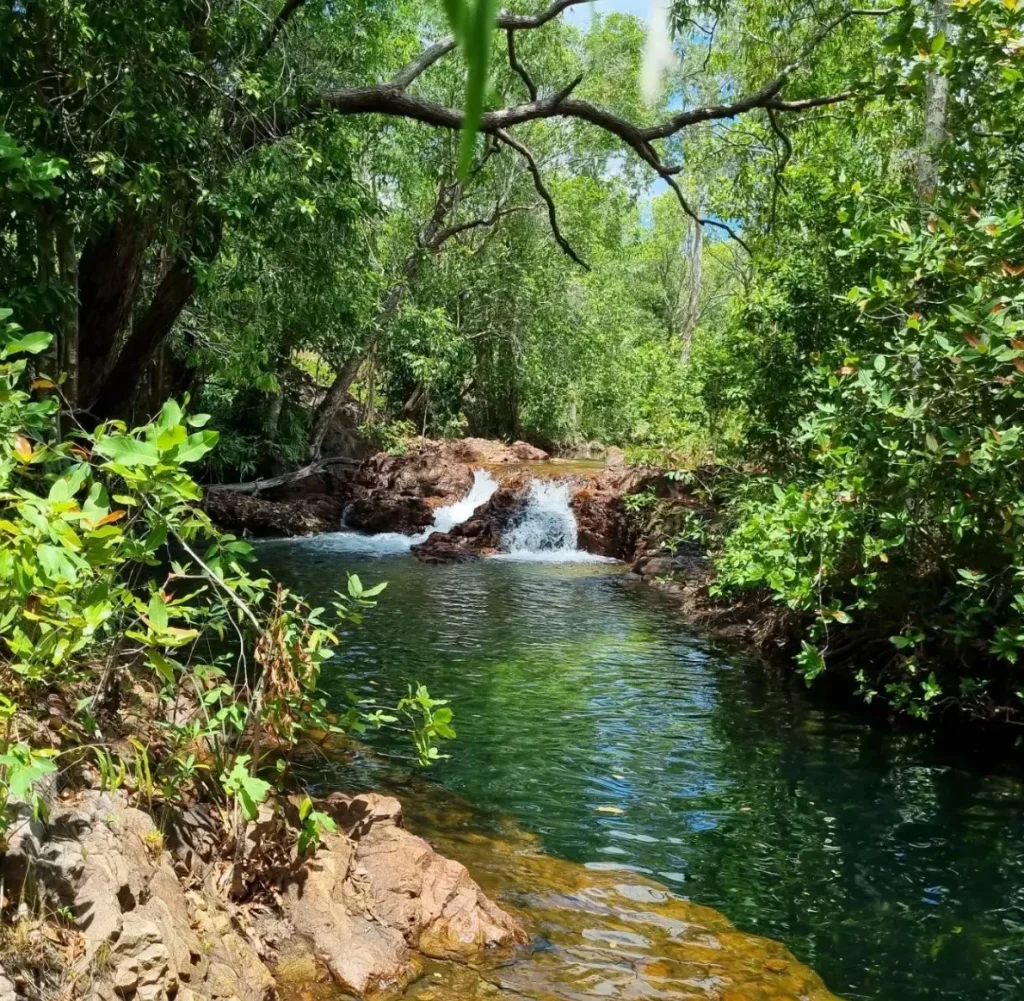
(590, 713)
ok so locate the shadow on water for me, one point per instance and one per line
(623, 742)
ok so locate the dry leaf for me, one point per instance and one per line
(23, 448)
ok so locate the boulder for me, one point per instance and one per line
(374, 893)
(431, 899)
(525, 452)
(384, 511)
(481, 534)
(690, 558)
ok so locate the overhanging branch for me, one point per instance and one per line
(393, 99)
(538, 183)
(507, 22)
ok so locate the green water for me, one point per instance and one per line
(892, 871)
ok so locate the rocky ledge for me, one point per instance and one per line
(382, 493)
(401, 493)
(149, 916)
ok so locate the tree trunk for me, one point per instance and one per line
(695, 252)
(67, 263)
(413, 407)
(109, 273)
(272, 416)
(115, 393)
(935, 103)
(338, 391)
(332, 401)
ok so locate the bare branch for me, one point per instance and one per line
(538, 183)
(509, 22)
(275, 28)
(516, 65)
(394, 100)
(780, 166)
(807, 103)
(462, 227)
(685, 205)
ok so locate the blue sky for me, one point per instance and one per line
(580, 16)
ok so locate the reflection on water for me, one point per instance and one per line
(592, 716)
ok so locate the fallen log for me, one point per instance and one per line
(268, 483)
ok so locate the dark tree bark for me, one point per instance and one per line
(67, 263)
(332, 401)
(149, 332)
(109, 273)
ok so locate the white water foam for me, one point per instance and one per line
(545, 531)
(445, 519)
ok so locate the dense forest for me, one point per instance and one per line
(772, 248)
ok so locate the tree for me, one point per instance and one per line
(155, 104)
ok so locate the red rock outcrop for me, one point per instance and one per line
(481, 533)
(602, 522)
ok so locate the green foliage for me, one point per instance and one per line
(894, 511)
(315, 824)
(112, 572)
(393, 437)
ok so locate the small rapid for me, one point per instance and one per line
(445, 519)
(545, 530)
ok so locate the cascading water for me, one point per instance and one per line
(445, 519)
(546, 528)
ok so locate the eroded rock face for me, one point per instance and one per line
(143, 938)
(602, 521)
(374, 893)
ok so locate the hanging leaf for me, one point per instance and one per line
(477, 50)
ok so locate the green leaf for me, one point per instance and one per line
(31, 344)
(162, 666)
(158, 612)
(170, 415)
(196, 446)
(128, 451)
(477, 51)
(248, 789)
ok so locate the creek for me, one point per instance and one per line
(595, 724)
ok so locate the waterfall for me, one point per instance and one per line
(445, 519)
(545, 529)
